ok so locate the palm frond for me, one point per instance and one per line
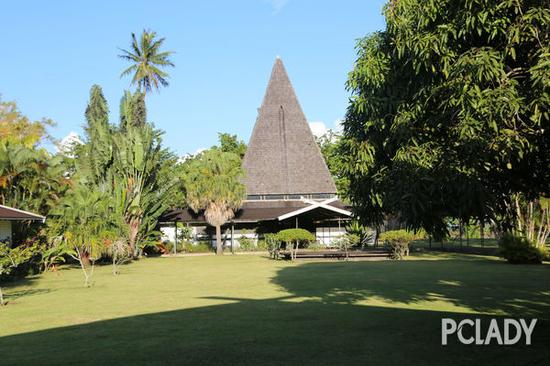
(146, 60)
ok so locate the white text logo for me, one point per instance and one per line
(469, 331)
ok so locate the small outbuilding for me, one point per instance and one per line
(8, 215)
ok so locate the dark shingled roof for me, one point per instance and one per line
(9, 213)
(282, 155)
(251, 211)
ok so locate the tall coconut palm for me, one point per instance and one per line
(213, 184)
(147, 62)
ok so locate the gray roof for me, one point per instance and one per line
(254, 211)
(282, 155)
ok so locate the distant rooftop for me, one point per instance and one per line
(10, 213)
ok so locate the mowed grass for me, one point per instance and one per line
(248, 310)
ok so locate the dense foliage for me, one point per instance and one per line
(518, 250)
(125, 162)
(449, 115)
(103, 195)
(330, 145)
(231, 143)
(30, 177)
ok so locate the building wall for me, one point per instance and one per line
(5, 230)
(325, 233)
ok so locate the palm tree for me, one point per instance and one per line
(147, 61)
(82, 225)
(213, 184)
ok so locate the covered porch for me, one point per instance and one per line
(326, 219)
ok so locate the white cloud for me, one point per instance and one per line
(318, 128)
(338, 125)
(68, 142)
(277, 5)
(191, 155)
(199, 150)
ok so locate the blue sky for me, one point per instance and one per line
(55, 50)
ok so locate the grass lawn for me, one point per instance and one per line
(249, 310)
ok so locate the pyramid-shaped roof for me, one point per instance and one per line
(282, 155)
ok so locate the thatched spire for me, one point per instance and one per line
(282, 156)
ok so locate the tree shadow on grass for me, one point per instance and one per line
(11, 296)
(318, 323)
(479, 285)
(264, 332)
(14, 295)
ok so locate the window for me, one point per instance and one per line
(322, 195)
(254, 197)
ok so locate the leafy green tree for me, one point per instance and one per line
(132, 110)
(97, 111)
(30, 179)
(95, 156)
(128, 164)
(330, 145)
(231, 143)
(83, 226)
(16, 128)
(449, 114)
(213, 184)
(10, 258)
(147, 62)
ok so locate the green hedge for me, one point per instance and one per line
(295, 235)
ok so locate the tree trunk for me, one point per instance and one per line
(85, 259)
(219, 248)
(85, 270)
(1, 297)
(482, 231)
(132, 236)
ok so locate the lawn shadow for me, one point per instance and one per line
(481, 285)
(14, 295)
(10, 296)
(317, 323)
(264, 332)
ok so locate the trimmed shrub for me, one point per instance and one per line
(518, 250)
(293, 238)
(397, 242)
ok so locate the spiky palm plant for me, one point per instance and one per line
(138, 195)
(83, 225)
(147, 62)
